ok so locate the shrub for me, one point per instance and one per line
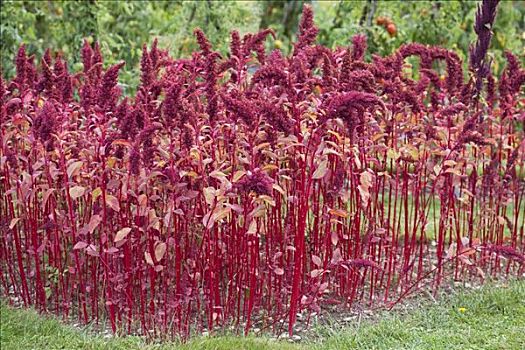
(241, 190)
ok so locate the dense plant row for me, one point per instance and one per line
(239, 191)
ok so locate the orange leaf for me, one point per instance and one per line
(338, 212)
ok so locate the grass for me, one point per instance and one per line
(489, 318)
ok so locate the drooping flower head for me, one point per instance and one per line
(420, 50)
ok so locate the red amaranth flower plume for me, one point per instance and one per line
(108, 93)
(453, 109)
(256, 181)
(95, 68)
(62, 81)
(146, 69)
(145, 138)
(45, 122)
(269, 76)
(235, 44)
(358, 47)
(255, 42)
(478, 62)
(46, 79)
(203, 42)
(340, 105)
(210, 75)
(513, 76)
(87, 56)
(134, 161)
(351, 108)
(21, 63)
(338, 138)
(31, 74)
(155, 53)
(276, 117)
(172, 104)
(360, 80)
(241, 109)
(307, 29)
(416, 49)
(454, 79)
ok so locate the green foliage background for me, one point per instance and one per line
(123, 26)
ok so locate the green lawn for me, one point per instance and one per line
(491, 318)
